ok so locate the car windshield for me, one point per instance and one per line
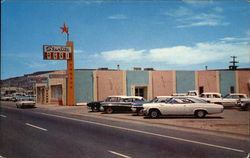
(155, 99)
(26, 99)
(231, 96)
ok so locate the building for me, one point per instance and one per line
(96, 85)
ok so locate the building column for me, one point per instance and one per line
(174, 82)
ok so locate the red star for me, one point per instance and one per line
(65, 29)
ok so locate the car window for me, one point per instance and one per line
(202, 96)
(192, 93)
(160, 100)
(216, 96)
(187, 101)
(176, 101)
(155, 99)
(234, 97)
(112, 99)
(194, 100)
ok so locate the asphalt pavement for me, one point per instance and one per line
(57, 131)
(232, 122)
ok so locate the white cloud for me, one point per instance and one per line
(188, 18)
(234, 39)
(124, 55)
(248, 33)
(78, 51)
(201, 53)
(118, 17)
(204, 19)
(218, 9)
(181, 11)
(198, 2)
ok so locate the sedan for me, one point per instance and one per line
(25, 102)
(181, 106)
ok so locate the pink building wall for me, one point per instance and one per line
(209, 80)
(109, 83)
(243, 82)
(163, 83)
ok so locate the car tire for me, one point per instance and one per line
(154, 114)
(140, 112)
(200, 113)
(94, 109)
(109, 110)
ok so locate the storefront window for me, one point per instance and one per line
(56, 92)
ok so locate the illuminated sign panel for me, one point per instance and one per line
(57, 52)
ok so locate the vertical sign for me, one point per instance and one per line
(71, 83)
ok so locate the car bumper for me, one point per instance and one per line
(134, 109)
(144, 112)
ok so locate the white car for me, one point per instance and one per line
(25, 102)
(232, 98)
(137, 107)
(182, 106)
(212, 97)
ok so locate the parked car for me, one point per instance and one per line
(95, 105)
(120, 103)
(231, 99)
(25, 102)
(212, 97)
(6, 98)
(179, 94)
(182, 106)
(137, 107)
(243, 103)
(193, 93)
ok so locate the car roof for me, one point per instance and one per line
(184, 97)
(179, 94)
(124, 96)
(237, 94)
(211, 93)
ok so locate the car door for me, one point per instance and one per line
(174, 107)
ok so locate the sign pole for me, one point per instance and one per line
(70, 71)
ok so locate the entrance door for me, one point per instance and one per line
(141, 91)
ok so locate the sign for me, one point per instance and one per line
(58, 75)
(38, 79)
(57, 52)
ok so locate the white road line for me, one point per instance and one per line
(148, 133)
(36, 127)
(116, 153)
(3, 116)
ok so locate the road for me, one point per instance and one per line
(43, 134)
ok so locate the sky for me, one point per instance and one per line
(164, 35)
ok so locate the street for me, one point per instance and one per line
(38, 133)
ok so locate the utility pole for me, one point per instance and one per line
(233, 67)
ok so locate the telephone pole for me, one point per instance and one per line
(233, 67)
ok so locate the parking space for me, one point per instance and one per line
(231, 121)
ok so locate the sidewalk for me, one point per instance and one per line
(231, 121)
